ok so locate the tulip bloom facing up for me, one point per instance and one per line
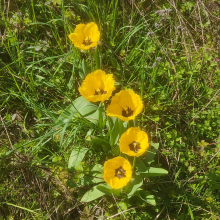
(134, 142)
(97, 86)
(125, 105)
(85, 36)
(117, 172)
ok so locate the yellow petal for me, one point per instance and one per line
(80, 28)
(91, 31)
(76, 39)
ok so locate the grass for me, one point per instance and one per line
(169, 57)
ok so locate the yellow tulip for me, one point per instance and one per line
(125, 105)
(97, 86)
(134, 142)
(117, 172)
(85, 36)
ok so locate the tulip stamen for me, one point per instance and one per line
(127, 112)
(135, 146)
(120, 172)
(99, 91)
(87, 41)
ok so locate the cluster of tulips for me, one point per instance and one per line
(125, 105)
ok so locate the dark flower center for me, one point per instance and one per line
(135, 146)
(120, 172)
(87, 42)
(127, 112)
(100, 91)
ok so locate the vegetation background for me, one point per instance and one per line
(166, 50)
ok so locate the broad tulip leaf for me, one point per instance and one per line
(91, 179)
(133, 185)
(145, 196)
(102, 142)
(116, 151)
(82, 106)
(92, 194)
(116, 130)
(97, 117)
(79, 107)
(150, 154)
(97, 168)
(105, 188)
(76, 157)
(84, 67)
(141, 165)
(153, 171)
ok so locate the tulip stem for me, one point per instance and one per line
(134, 161)
(101, 109)
(90, 54)
(110, 126)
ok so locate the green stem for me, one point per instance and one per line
(134, 161)
(110, 126)
(90, 55)
(101, 110)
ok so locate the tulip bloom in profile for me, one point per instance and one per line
(125, 105)
(97, 86)
(85, 36)
(117, 172)
(134, 142)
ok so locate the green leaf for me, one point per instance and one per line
(94, 178)
(150, 154)
(191, 169)
(97, 117)
(105, 188)
(116, 151)
(59, 2)
(190, 212)
(155, 145)
(123, 206)
(92, 194)
(102, 142)
(140, 165)
(146, 197)
(133, 185)
(97, 168)
(153, 171)
(76, 157)
(84, 67)
(82, 107)
(78, 108)
(116, 130)
(71, 80)
(71, 184)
